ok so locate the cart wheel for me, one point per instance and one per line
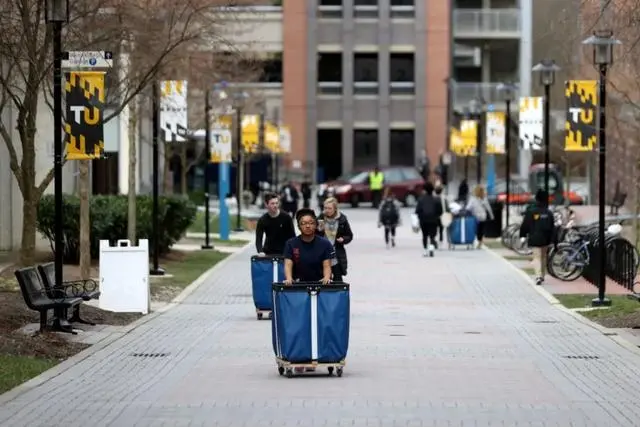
(339, 372)
(280, 370)
(330, 369)
(289, 373)
(259, 315)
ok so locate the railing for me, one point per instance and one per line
(622, 260)
(329, 12)
(403, 12)
(478, 22)
(365, 12)
(463, 93)
(402, 88)
(257, 85)
(365, 88)
(330, 88)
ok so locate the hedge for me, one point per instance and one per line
(109, 221)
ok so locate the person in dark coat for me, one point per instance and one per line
(538, 228)
(289, 197)
(463, 192)
(429, 210)
(305, 189)
(334, 226)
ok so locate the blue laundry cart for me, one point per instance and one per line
(265, 270)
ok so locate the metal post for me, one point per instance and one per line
(507, 144)
(207, 173)
(156, 271)
(239, 170)
(479, 149)
(58, 149)
(602, 157)
(466, 168)
(547, 136)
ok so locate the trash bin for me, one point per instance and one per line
(493, 228)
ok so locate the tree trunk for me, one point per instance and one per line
(85, 220)
(167, 175)
(29, 219)
(131, 189)
(183, 170)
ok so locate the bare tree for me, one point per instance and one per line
(157, 32)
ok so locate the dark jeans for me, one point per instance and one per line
(336, 272)
(429, 231)
(389, 230)
(376, 196)
(480, 230)
(440, 230)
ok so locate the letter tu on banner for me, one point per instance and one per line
(84, 126)
(221, 145)
(469, 135)
(495, 130)
(580, 119)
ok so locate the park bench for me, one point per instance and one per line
(619, 198)
(38, 299)
(85, 289)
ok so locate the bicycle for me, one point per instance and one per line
(567, 260)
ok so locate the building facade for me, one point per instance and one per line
(364, 82)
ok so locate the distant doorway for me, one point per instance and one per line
(329, 154)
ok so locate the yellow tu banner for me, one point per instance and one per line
(84, 127)
(580, 123)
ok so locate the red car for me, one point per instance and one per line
(405, 182)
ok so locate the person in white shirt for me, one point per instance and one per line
(480, 208)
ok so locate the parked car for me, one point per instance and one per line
(405, 182)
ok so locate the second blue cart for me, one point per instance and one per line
(265, 270)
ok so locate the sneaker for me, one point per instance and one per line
(430, 250)
(539, 281)
(426, 253)
(393, 243)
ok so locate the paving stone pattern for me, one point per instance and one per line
(458, 340)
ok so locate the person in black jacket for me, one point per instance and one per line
(290, 197)
(276, 225)
(334, 226)
(538, 228)
(429, 211)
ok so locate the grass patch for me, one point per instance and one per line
(15, 370)
(624, 312)
(230, 242)
(198, 225)
(529, 270)
(184, 267)
(493, 244)
(518, 257)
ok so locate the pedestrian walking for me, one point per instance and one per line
(463, 192)
(290, 198)
(538, 228)
(305, 189)
(389, 217)
(478, 205)
(334, 226)
(376, 184)
(446, 218)
(276, 225)
(428, 211)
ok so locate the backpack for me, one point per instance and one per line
(427, 208)
(389, 212)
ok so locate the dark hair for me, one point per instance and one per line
(542, 197)
(438, 189)
(428, 187)
(305, 212)
(270, 196)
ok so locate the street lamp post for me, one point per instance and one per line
(546, 69)
(207, 173)
(508, 92)
(56, 14)
(238, 103)
(466, 114)
(476, 107)
(602, 42)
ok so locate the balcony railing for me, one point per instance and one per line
(329, 12)
(403, 12)
(330, 88)
(365, 88)
(463, 93)
(486, 23)
(365, 12)
(402, 88)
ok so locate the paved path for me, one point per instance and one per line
(459, 340)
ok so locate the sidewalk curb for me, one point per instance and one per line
(69, 363)
(614, 336)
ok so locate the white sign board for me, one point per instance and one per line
(285, 140)
(88, 59)
(531, 122)
(173, 110)
(221, 145)
(124, 277)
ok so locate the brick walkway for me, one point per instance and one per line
(459, 340)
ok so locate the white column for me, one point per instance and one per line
(526, 47)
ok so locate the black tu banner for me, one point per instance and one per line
(84, 131)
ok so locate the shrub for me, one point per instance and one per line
(109, 221)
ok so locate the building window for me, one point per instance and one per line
(365, 73)
(402, 73)
(329, 154)
(402, 147)
(402, 9)
(365, 8)
(330, 73)
(365, 148)
(272, 69)
(330, 9)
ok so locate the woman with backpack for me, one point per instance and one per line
(389, 217)
(334, 226)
